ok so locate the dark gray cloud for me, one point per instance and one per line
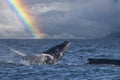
(74, 18)
(79, 18)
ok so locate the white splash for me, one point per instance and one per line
(24, 62)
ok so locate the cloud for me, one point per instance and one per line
(10, 31)
(61, 36)
(10, 26)
(86, 18)
(70, 18)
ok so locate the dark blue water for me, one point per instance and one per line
(73, 66)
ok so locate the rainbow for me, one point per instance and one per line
(31, 25)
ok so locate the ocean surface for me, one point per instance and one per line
(73, 66)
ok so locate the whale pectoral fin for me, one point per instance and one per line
(58, 51)
(19, 53)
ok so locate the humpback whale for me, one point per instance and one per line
(50, 56)
(103, 61)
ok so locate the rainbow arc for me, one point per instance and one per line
(26, 19)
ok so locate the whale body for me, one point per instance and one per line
(50, 56)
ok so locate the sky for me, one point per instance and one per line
(64, 19)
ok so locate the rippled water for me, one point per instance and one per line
(73, 66)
